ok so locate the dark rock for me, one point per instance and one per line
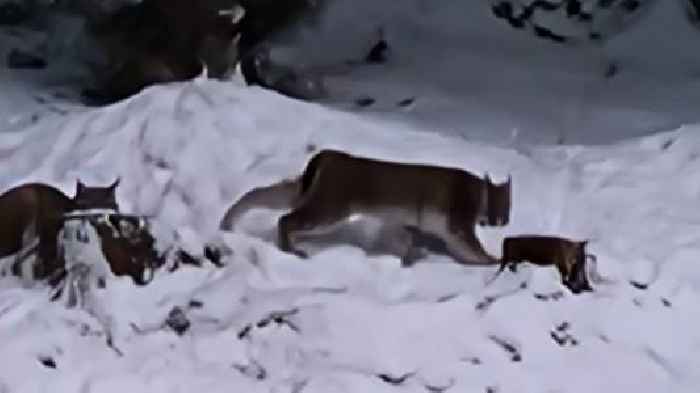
(573, 7)
(17, 59)
(503, 10)
(377, 55)
(177, 320)
(630, 5)
(194, 303)
(485, 303)
(13, 13)
(213, 254)
(544, 32)
(364, 102)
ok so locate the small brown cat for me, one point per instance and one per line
(567, 255)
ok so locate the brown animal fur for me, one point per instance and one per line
(443, 202)
(567, 255)
(30, 211)
(33, 211)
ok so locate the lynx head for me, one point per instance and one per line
(87, 198)
(497, 203)
(574, 267)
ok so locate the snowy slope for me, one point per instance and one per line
(186, 151)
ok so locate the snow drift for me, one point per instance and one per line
(344, 320)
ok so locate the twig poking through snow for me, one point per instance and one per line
(439, 389)
(176, 320)
(406, 102)
(561, 336)
(110, 344)
(508, 347)
(278, 317)
(253, 370)
(555, 296)
(485, 303)
(639, 285)
(446, 298)
(390, 379)
(489, 300)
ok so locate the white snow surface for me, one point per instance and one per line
(186, 151)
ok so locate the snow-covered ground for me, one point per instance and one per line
(186, 151)
(345, 320)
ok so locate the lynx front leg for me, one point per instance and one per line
(307, 221)
(411, 251)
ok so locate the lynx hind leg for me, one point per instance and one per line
(400, 240)
(466, 248)
(306, 220)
